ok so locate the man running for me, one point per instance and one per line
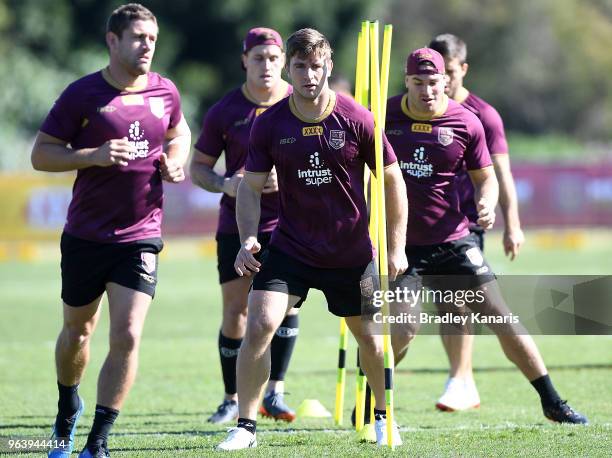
(433, 137)
(226, 129)
(122, 129)
(460, 391)
(318, 142)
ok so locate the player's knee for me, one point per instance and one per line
(125, 339)
(235, 313)
(371, 344)
(76, 334)
(401, 340)
(261, 327)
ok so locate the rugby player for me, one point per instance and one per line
(460, 391)
(123, 131)
(226, 129)
(319, 142)
(434, 137)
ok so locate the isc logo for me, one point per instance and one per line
(425, 128)
(310, 131)
(107, 109)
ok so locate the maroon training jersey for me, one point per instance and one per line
(431, 152)
(496, 142)
(116, 203)
(323, 219)
(226, 128)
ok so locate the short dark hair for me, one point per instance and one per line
(307, 41)
(120, 19)
(450, 46)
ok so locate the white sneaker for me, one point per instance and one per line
(459, 394)
(381, 433)
(237, 439)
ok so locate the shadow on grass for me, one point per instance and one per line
(46, 425)
(123, 415)
(444, 370)
(262, 429)
(159, 449)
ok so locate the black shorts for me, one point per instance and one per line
(87, 266)
(228, 246)
(458, 264)
(347, 290)
(479, 233)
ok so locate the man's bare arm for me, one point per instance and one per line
(396, 206)
(248, 213)
(486, 192)
(50, 154)
(203, 175)
(172, 162)
(508, 202)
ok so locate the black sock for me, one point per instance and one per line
(282, 346)
(546, 390)
(368, 405)
(103, 422)
(228, 353)
(68, 402)
(380, 414)
(67, 406)
(249, 425)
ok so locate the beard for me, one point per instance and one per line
(134, 66)
(140, 68)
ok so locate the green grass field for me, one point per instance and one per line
(179, 380)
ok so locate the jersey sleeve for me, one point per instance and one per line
(259, 159)
(367, 144)
(176, 114)
(494, 131)
(476, 154)
(65, 117)
(212, 138)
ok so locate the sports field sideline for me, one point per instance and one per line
(179, 382)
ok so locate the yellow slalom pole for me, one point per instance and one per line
(373, 229)
(365, 86)
(359, 75)
(343, 344)
(384, 76)
(384, 84)
(382, 226)
(341, 381)
(360, 389)
(359, 68)
(389, 357)
(362, 98)
(374, 214)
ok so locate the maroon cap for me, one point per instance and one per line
(261, 36)
(421, 56)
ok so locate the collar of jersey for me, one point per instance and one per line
(247, 95)
(417, 117)
(109, 79)
(331, 104)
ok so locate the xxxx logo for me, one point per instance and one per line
(312, 131)
(418, 127)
